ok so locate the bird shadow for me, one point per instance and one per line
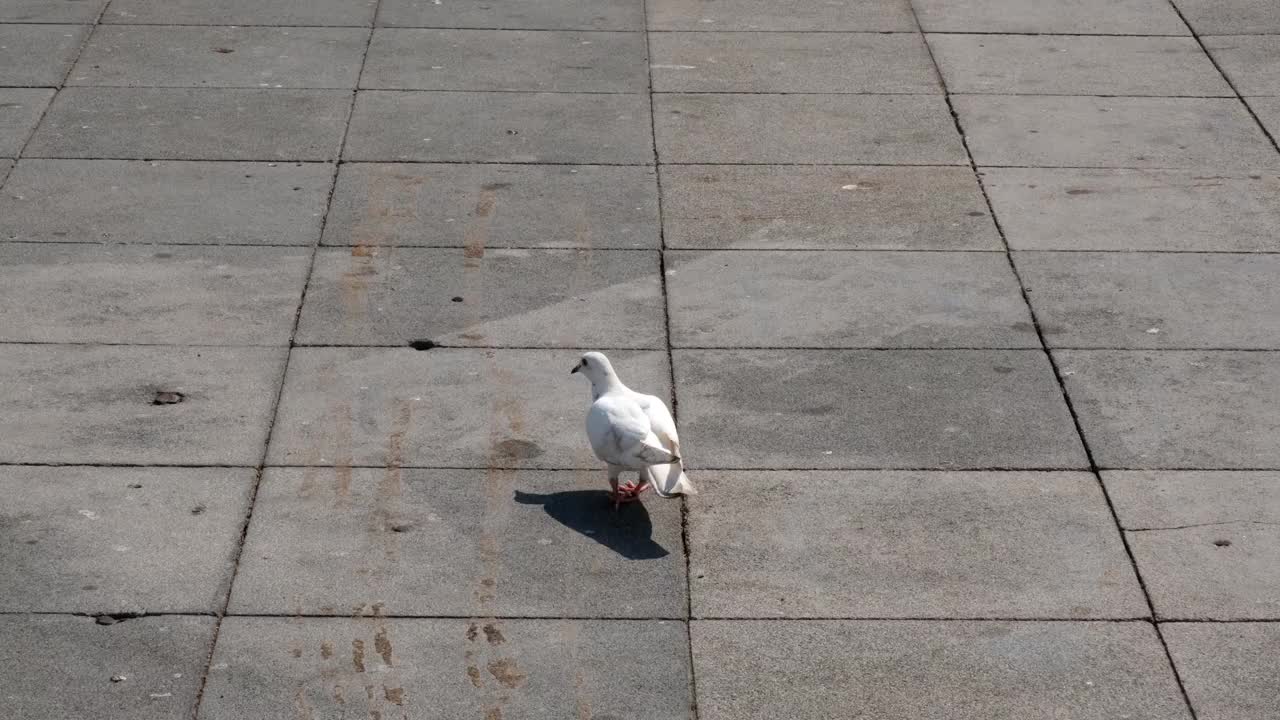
(628, 532)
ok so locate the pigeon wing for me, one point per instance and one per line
(620, 434)
(667, 479)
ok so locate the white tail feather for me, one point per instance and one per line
(669, 480)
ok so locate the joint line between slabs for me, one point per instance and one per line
(683, 249)
(671, 367)
(1057, 373)
(57, 90)
(284, 371)
(124, 617)
(1230, 83)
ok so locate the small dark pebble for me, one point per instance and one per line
(1222, 543)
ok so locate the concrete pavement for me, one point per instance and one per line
(966, 307)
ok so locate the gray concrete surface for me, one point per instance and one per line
(288, 13)
(1230, 670)
(149, 294)
(547, 15)
(249, 57)
(43, 11)
(791, 62)
(389, 126)
(457, 542)
(873, 409)
(38, 54)
(1076, 65)
(54, 667)
(1268, 112)
(96, 404)
(871, 299)
(819, 669)
(1119, 132)
(1154, 300)
(762, 15)
(120, 540)
(1158, 210)
(516, 298)
(486, 206)
(20, 110)
(793, 207)
(1176, 409)
(273, 668)
(543, 61)
(1229, 17)
(1090, 17)
(1205, 542)
(192, 124)
(907, 544)
(1252, 62)
(228, 220)
(805, 129)
(443, 407)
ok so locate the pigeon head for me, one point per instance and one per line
(596, 367)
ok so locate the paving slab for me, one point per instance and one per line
(1154, 300)
(873, 409)
(839, 15)
(240, 12)
(544, 15)
(749, 670)
(177, 202)
(825, 208)
(544, 61)
(192, 124)
(38, 55)
(1230, 17)
(814, 62)
(444, 407)
(1089, 17)
(120, 540)
(55, 667)
(1165, 498)
(458, 542)
(20, 110)
(1076, 65)
(1205, 542)
(1230, 670)
(443, 205)
(805, 128)
(1194, 133)
(96, 404)
(500, 127)
(906, 544)
(1251, 61)
(842, 299)
(5, 166)
(150, 56)
(280, 668)
(1105, 209)
(1176, 409)
(43, 11)
(150, 294)
(1268, 111)
(459, 296)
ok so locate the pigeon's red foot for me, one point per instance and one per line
(628, 493)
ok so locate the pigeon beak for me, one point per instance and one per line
(575, 369)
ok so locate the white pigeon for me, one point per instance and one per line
(632, 431)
